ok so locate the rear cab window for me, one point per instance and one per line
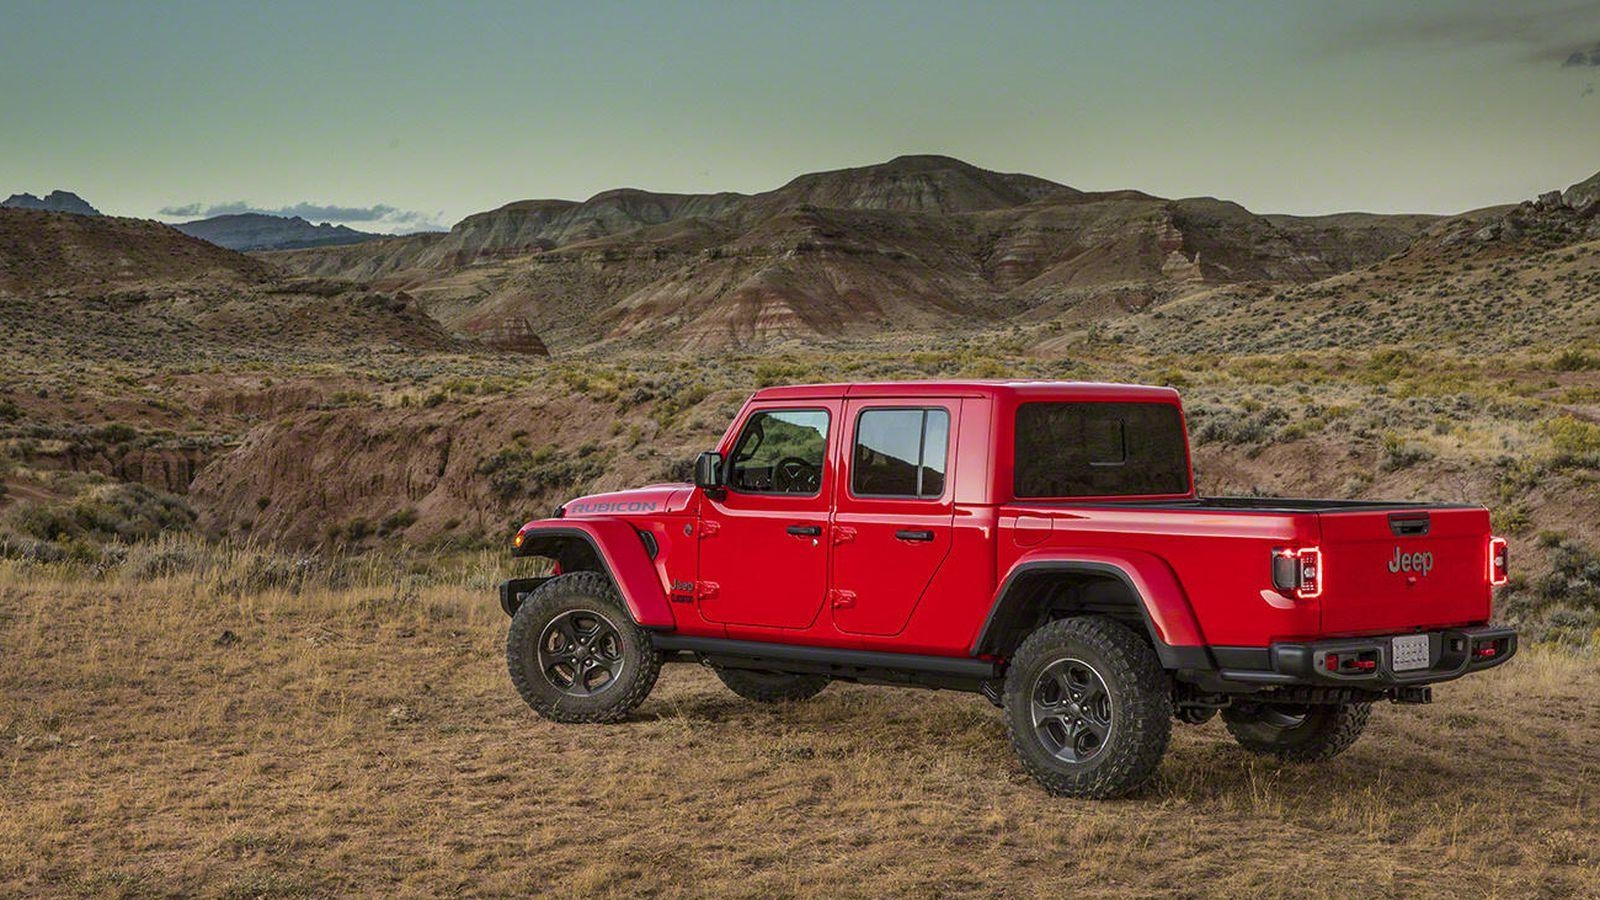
(1099, 449)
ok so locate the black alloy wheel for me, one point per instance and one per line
(1071, 710)
(580, 653)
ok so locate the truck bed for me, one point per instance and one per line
(1385, 566)
(1262, 504)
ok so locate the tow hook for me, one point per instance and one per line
(1413, 693)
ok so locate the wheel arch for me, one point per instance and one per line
(610, 546)
(1143, 592)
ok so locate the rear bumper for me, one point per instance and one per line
(1452, 653)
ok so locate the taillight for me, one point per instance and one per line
(1298, 572)
(1499, 561)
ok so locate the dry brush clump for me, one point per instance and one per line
(1561, 605)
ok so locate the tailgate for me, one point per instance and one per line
(1403, 570)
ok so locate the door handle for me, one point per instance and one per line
(907, 534)
(805, 530)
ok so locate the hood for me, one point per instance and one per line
(654, 499)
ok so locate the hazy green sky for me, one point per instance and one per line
(440, 110)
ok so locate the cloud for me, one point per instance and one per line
(1563, 34)
(379, 216)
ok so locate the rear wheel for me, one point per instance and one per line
(772, 687)
(575, 653)
(1088, 707)
(1297, 732)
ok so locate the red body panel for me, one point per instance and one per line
(1367, 590)
(729, 566)
(1215, 566)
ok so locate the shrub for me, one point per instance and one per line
(257, 572)
(1576, 442)
(105, 512)
(165, 558)
(1397, 456)
(116, 433)
(399, 520)
(517, 471)
(29, 549)
(1573, 360)
(1253, 424)
(1563, 604)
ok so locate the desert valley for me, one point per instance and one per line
(252, 506)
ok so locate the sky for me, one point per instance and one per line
(394, 118)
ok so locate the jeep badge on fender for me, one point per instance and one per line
(1041, 544)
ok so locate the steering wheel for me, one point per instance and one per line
(793, 475)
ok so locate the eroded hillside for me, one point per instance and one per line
(917, 243)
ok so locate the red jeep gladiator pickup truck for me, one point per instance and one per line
(1040, 543)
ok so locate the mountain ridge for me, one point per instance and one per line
(264, 231)
(55, 201)
(919, 241)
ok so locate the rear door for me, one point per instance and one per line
(1394, 571)
(894, 511)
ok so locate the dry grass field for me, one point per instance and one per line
(204, 721)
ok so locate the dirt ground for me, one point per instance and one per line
(183, 736)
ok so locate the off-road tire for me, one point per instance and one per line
(1326, 730)
(640, 662)
(1140, 716)
(772, 687)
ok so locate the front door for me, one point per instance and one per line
(895, 512)
(764, 544)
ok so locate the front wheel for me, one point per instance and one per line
(1088, 707)
(575, 653)
(1297, 732)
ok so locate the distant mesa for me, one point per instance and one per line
(260, 231)
(55, 201)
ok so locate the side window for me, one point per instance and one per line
(781, 452)
(900, 453)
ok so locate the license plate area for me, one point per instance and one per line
(1408, 653)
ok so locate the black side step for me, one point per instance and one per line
(863, 665)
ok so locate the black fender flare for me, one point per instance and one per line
(1011, 603)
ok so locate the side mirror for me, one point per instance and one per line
(708, 471)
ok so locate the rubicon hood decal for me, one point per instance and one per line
(654, 499)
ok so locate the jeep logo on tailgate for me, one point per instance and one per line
(1421, 563)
